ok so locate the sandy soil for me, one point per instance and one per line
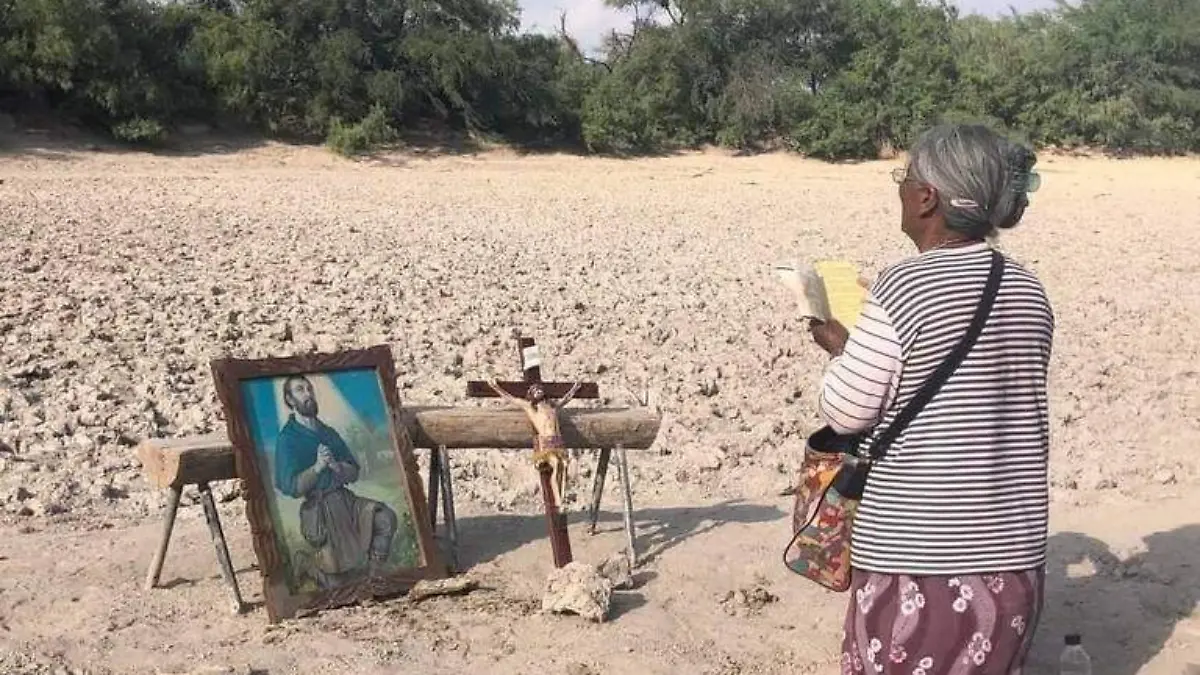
(122, 274)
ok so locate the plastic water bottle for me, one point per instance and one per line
(1074, 660)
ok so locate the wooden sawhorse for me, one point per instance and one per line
(174, 463)
(440, 480)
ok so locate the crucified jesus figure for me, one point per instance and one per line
(548, 447)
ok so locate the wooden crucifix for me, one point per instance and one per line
(541, 401)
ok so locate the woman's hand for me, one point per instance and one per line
(832, 335)
(829, 335)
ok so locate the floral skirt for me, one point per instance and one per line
(941, 625)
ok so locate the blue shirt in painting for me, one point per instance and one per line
(296, 451)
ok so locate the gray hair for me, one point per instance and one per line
(982, 178)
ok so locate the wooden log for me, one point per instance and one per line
(175, 462)
(462, 427)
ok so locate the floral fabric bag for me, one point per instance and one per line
(833, 474)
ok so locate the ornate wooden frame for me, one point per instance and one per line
(281, 602)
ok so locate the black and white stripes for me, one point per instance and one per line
(963, 490)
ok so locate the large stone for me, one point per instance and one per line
(578, 588)
(616, 569)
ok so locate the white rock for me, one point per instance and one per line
(578, 588)
(616, 569)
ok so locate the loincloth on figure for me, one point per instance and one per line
(547, 449)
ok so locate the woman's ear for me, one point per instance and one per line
(926, 198)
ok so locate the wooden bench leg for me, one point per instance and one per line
(623, 469)
(160, 554)
(214, 527)
(598, 488)
(448, 505)
(435, 480)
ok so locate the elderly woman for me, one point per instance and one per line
(949, 541)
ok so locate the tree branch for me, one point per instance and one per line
(574, 46)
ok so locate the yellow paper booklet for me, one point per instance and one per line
(824, 289)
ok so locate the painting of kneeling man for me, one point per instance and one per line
(339, 498)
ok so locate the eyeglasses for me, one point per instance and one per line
(899, 174)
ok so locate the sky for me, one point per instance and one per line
(589, 20)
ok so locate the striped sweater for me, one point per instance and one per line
(963, 490)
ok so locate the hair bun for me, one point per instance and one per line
(1020, 161)
(1022, 201)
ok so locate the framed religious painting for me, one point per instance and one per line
(333, 495)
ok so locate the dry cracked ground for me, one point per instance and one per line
(123, 274)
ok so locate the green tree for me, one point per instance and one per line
(829, 78)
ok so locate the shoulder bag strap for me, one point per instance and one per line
(939, 377)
